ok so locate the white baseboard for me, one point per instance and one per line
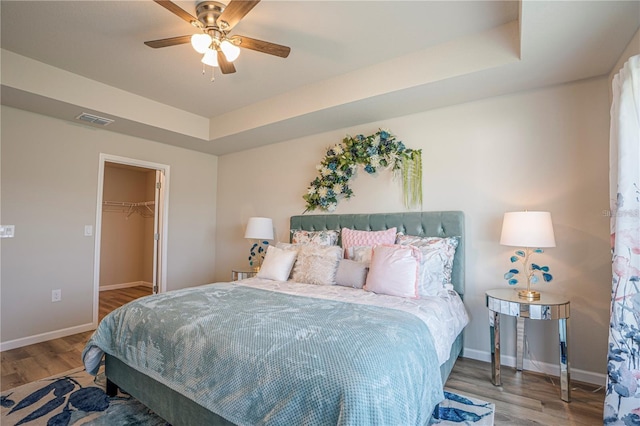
(125, 285)
(43, 337)
(540, 367)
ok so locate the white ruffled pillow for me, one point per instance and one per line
(277, 264)
(360, 254)
(437, 261)
(394, 270)
(316, 264)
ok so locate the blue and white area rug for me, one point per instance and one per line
(458, 409)
(74, 398)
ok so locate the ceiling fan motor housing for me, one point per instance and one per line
(208, 13)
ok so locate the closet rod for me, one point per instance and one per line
(142, 207)
(128, 204)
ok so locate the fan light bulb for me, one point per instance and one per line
(230, 50)
(210, 58)
(200, 42)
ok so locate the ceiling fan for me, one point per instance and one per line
(216, 20)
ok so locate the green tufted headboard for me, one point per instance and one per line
(424, 224)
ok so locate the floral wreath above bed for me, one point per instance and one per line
(380, 150)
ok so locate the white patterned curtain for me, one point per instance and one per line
(622, 401)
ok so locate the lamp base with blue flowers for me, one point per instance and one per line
(530, 271)
(257, 253)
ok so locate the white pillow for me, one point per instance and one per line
(288, 246)
(277, 264)
(351, 273)
(360, 254)
(437, 261)
(394, 270)
(316, 264)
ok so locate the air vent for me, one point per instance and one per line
(90, 118)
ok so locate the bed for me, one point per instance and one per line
(286, 334)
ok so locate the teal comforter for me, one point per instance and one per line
(260, 357)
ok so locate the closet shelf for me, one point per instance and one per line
(145, 208)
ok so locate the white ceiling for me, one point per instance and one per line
(351, 62)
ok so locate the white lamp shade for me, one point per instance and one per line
(210, 58)
(230, 50)
(200, 42)
(527, 229)
(259, 228)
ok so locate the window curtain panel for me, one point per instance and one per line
(622, 400)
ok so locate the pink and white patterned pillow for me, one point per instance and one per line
(354, 238)
(323, 238)
(437, 261)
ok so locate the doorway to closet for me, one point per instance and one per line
(130, 226)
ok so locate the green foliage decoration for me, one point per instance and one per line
(378, 151)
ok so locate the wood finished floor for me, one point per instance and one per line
(527, 398)
(34, 362)
(524, 399)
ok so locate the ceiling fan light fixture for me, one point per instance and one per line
(201, 42)
(230, 50)
(215, 21)
(210, 58)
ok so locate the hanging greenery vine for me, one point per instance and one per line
(380, 150)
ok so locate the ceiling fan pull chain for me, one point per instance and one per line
(213, 76)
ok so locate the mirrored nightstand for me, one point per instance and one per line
(241, 274)
(549, 307)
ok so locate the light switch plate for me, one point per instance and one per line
(88, 230)
(7, 231)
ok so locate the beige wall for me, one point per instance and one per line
(126, 234)
(545, 149)
(49, 192)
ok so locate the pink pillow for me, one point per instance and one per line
(353, 238)
(394, 270)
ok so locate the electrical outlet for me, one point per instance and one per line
(7, 231)
(56, 295)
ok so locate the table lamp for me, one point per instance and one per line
(261, 229)
(530, 230)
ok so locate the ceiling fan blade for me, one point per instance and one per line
(263, 46)
(165, 42)
(234, 12)
(177, 10)
(225, 66)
